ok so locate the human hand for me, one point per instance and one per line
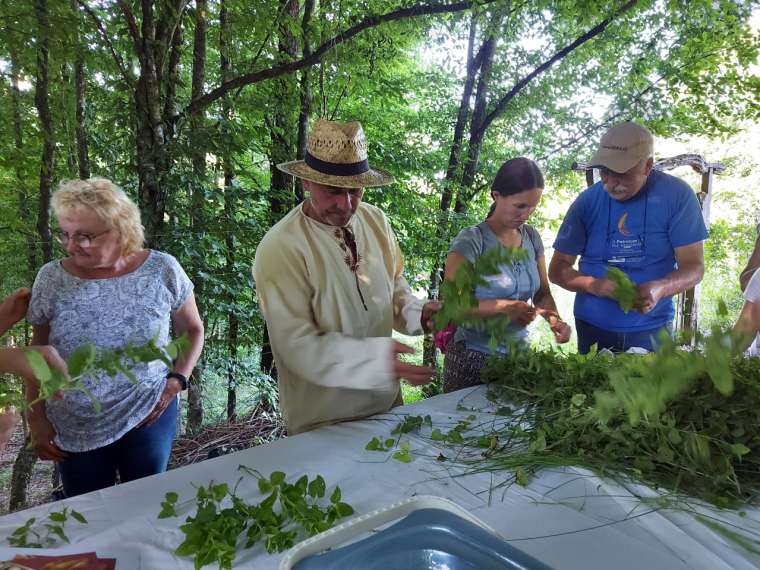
(43, 434)
(560, 328)
(428, 310)
(647, 296)
(412, 373)
(171, 389)
(14, 361)
(13, 308)
(602, 287)
(520, 312)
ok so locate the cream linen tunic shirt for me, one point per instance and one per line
(333, 356)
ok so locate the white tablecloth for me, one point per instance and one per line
(566, 518)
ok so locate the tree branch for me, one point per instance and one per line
(316, 55)
(590, 34)
(134, 33)
(117, 59)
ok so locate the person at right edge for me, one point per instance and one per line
(644, 222)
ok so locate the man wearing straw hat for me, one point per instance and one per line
(644, 222)
(330, 285)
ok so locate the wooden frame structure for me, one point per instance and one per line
(687, 307)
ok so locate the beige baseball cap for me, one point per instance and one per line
(623, 146)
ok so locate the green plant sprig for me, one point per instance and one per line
(85, 361)
(45, 534)
(625, 289)
(290, 510)
(459, 299)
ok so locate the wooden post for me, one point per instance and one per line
(688, 301)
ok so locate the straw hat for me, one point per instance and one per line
(336, 155)
(623, 146)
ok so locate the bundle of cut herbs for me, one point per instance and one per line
(682, 421)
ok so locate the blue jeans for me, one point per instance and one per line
(140, 452)
(588, 335)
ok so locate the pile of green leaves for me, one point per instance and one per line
(290, 511)
(86, 361)
(686, 430)
(625, 289)
(459, 299)
(46, 534)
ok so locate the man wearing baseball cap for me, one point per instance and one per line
(329, 279)
(644, 222)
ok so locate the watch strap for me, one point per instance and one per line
(181, 378)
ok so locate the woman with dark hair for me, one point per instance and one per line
(516, 191)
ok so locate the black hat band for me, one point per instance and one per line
(334, 169)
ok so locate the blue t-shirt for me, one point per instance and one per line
(638, 236)
(519, 281)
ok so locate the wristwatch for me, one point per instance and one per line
(181, 378)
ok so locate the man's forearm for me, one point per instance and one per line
(567, 277)
(679, 280)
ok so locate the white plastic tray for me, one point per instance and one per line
(356, 526)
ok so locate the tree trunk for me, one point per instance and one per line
(80, 89)
(22, 474)
(282, 148)
(24, 464)
(21, 178)
(305, 90)
(476, 133)
(197, 198)
(429, 351)
(229, 215)
(83, 158)
(42, 102)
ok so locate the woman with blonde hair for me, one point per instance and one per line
(111, 292)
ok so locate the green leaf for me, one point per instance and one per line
(402, 456)
(39, 366)
(167, 510)
(336, 496)
(81, 359)
(219, 491)
(171, 497)
(739, 449)
(625, 289)
(317, 487)
(277, 478)
(264, 485)
(436, 435)
(344, 509)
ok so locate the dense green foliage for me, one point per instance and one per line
(704, 443)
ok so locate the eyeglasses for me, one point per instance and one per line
(82, 240)
(627, 176)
